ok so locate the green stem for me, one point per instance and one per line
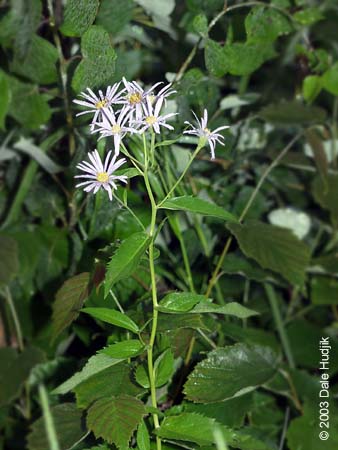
(193, 156)
(15, 317)
(48, 419)
(270, 292)
(150, 354)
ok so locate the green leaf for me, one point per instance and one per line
(113, 317)
(68, 302)
(39, 63)
(115, 419)
(94, 365)
(177, 302)
(230, 309)
(126, 259)
(292, 112)
(4, 98)
(68, 426)
(9, 262)
(26, 17)
(163, 369)
(266, 24)
(26, 146)
(98, 64)
(114, 15)
(200, 24)
(318, 150)
(308, 16)
(15, 369)
(245, 58)
(325, 193)
(215, 59)
(124, 349)
(114, 380)
(175, 321)
(235, 264)
(250, 335)
(198, 206)
(34, 110)
(274, 248)
(330, 79)
(324, 291)
(312, 85)
(230, 371)
(78, 16)
(142, 437)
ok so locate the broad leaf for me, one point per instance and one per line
(329, 80)
(292, 113)
(198, 206)
(142, 437)
(114, 15)
(78, 16)
(163, 370)
(234, 264)
(68, 302)
(325, 193)
(68, 425)
(230, 371)
(125, 260)
(115, 419)
(266, 24)
(124, 349)
(230, 309)
(178, 302)
(215, 59)
(113, 317)
(324, 291)
(15, 369)
(94, 365)
(274, 248)
(9, 263)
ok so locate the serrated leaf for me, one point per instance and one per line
(124, 349)
(68, 426)
(292, 112)
(198, 206)
(244, 58)
(9, 262)
(68, 302)
(274, 248)
(125, 260)
(98, 64)
(114, 380)
(215, 59)
(266, 24)
(14, 370)
(4, 98)
(325, 193)
(229, 371)
(230, 309)
(114, 15)
(78, 16)
(113, 317)
(39, 63)
(115, 419)
(94, 365)
(178, 302)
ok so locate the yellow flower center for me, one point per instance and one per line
(102, 177)
(151, 98)
(206, 131)
(101, 104)
(116, 128)
(151, 120)
(134, 98)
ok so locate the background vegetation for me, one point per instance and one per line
(268, 69)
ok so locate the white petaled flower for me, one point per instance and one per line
(202, 130)
(116, 126)
(164, 92)
(152, 117)
(98, 103)
(101, 175)
(136, 96)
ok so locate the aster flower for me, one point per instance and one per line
(202, 131)
(164, 92)
(115, 126)
(136, 96)
(101, 175)
(98, 103)
(152, 117)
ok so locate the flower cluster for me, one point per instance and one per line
(125, 108)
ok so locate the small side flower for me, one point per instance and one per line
(100, 175)
(202, 130)
(152, 117)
